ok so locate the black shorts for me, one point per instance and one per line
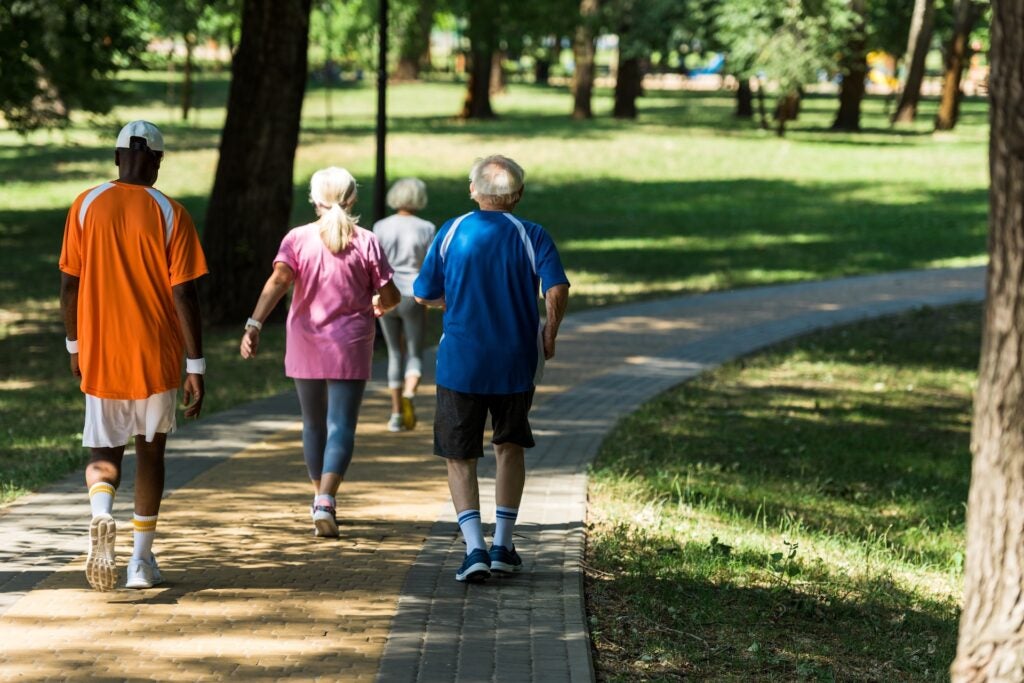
(459, 421)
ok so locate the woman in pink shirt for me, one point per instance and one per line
(342, 280)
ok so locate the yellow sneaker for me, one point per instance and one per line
(408, 413)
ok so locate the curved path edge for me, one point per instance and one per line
(535, 623)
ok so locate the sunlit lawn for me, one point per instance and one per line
(686, 199)
(795, 515)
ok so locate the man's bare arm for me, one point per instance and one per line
(69, 310)
(186, 302)
(431, 303)
(556, 300)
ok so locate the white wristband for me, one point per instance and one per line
(72, 346)
(253, 322)
(195, 366)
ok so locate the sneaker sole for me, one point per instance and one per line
(101, 565)
(143, 584)
(476, 573)
(326, 528)
(504, 568)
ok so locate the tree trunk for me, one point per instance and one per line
(917, 49)
(744, 100)
(855, 69)
(787, 109)
(498, 80)
(761, 105)
(992, 622)
(627, 87)
(250, 206)
(186, 83)
(414, 53)
(541, 71)
(957, 56)
(583, 56)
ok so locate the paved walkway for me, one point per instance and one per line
(250, 593)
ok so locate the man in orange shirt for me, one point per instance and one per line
(129, 263)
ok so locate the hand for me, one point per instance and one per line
(75, 370)
(192, 397)
(549, 344)
(250, 343)
(377, 310)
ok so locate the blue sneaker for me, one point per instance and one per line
(476, 567)
(505, 560)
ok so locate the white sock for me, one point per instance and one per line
(472, 530)
(145, 531)
(101, 498)
(505, 521)
(324, 499)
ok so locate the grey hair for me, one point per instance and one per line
(407, 194)
(497, 180)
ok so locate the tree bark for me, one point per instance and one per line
(250, 206)
(855, 69)
(186, 82)
(917, 49)
(541, 71)
(957, 56)
(414, 53)
(627, 87)
(498, 80)
(583, 56)
(991, 641)
(744, 100)
(481, 31)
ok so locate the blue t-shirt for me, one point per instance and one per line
(489, 265)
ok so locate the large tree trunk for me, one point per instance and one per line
(744, 100)
(583, 56)
(251, 202)
(627, 87)
(498, 81)
(991, 643)
(414, 52)
(918, 41)
(186, 82)
(481, 31)
(855, 69)
(957, 54)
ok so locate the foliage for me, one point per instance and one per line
(787, 42)
(57, 56)
(646, 26)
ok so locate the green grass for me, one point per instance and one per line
(794, 515)
(686, 199)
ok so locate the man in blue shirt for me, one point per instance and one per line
(486, 269)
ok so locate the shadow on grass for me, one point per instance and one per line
(698, 612)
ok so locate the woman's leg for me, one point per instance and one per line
(313, 400)
(343, 398)
(391, 326)
(415, 321)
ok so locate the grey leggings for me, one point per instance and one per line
(413, 318)
(330, 410)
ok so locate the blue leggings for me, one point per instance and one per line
(330, 410)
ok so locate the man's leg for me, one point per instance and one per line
(508, 490)
(102, 476)
(465, 490)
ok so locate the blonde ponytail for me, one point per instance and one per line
(333, 191)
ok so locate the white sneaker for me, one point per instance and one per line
(143, 573)
(395, 423)
(101, 565)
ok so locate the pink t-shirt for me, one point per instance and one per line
(331, 324)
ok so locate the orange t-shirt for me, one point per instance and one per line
(129, 245)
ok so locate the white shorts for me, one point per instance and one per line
(111, 422)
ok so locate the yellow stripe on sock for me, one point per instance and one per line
(101, 487)
(144, 526)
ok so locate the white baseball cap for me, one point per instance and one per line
(141, 129)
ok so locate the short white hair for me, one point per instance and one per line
(407, 194)
(497, 179)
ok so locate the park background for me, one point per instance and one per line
(719, 152)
